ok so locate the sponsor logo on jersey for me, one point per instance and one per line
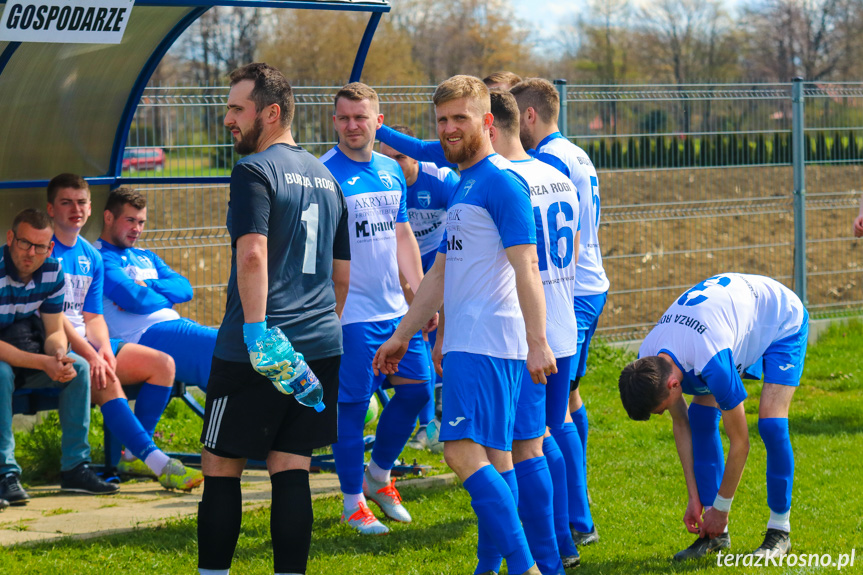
(456, 421)
(386, 179)
(84, 264)
(363, 202)
(453, 244)
(353, 180)
(366, 229)
(424, 198)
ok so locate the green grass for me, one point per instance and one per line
(635, 482)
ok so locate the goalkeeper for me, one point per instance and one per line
(289, 268)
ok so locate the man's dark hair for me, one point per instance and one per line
(122, 196)
(36, 219)
(642, 386)
(271, 87)
(406, 130)
(505, 111)
(61, 181)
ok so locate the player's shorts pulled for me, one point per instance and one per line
(587, 312)
(360, 342)
(479, 398)
(783, 359)
(246, 417)
(541, 405)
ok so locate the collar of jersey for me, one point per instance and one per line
(549, 138)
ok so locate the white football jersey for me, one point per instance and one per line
(722, 326)
(574, 162)
(376, 199)
(556, 214)
(489, 212)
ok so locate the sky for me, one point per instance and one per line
(546, 16)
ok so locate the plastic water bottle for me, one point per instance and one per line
(304, 384)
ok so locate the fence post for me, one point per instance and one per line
(560, 84)
(798, 160)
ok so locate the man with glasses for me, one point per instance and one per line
(33, 355)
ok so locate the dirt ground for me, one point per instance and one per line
(662, 231)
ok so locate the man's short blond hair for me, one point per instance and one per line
(357, 92)
(539, 94)
(504, 78)
(469, 87)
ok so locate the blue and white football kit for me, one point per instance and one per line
(376, 201)
(592, 284)
(145, 314)
(556, 212)
(485, 344)
(84, 274)
(723, 329)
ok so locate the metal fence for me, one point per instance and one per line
(695, 180)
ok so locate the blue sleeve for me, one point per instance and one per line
(508, 203)
(415, 148)
(170, 285)
(723, 381)
(402, 216)
(123, 291)
(443, 245)
(554, 162)
(93, 299)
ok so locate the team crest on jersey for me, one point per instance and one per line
(468, 185)
(84, 264)
(424, 198)
(386, 179)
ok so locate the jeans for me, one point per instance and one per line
(74, 411)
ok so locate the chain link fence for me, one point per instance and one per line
(695, 180)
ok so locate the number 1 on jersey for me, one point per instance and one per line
(310, 260)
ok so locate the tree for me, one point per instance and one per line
(464, 37)
(815, 39)
(315, 47)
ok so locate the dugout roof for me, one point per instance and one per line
(68, 107)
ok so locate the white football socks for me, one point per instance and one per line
(353, 501)
(780, 521)
(378, 474)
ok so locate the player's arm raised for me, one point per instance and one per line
(531, 299)
(683, 442)
(428, 299)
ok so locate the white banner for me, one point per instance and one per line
(65, 21)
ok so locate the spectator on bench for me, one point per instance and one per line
(140, 291)
(33, 355)
(113, 363)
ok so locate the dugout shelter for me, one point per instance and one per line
(68, 107)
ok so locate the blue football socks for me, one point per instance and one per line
(537, 513)
(557, 469)
(397, 422)
(579, 418)
(495, 508)
(570, 444)
(708, 459)
(348, 452)
(123, 423)
(780, 465)
(150, 404)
